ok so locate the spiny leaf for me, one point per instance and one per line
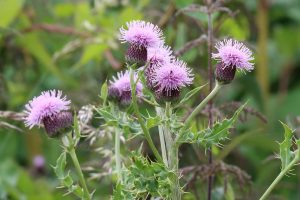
(60, 166)
(213, 136)
(285, 146)
(104, 92)
(152, 121)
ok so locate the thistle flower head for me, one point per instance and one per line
(160, 55)
(172, 76)
(156, 58)
(47, 105)
(136, 54)
(232, 53)
(120, 88)
(141, 33)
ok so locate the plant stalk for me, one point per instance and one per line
(280, 176)
(74, 158)
(176, 191)
(162, 138)
(140, 119)
(210, 75)
(117, 153)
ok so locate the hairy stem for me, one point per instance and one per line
(176, 191)
(172, 154)
(140, 119)
(162, 138)
(74, 158)
(117, 153)
(281, 175)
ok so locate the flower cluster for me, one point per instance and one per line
(120, 88)
(165, 75)
(231, 56)
(51, 110)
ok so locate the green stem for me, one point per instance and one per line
(198, 109)
(168, 136)
(172, 154)
(140, 119)
(73, 155)
(280, 176)
(176, 191)
(118, 154)
(162, 138)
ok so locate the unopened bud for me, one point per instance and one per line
(58, 123)
(224, 75)
(136, 54)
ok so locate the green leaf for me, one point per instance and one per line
(285, 146)
(213, 136)
(77, 190)
(68, 181)
(9, 9)
(60, 166)
(152, 121)
(104, 92)
(76, 129)
(189, 95)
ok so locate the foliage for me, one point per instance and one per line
(143, 178)
(72, 46)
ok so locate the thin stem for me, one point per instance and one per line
(198, 109)
(210, 75)
(117, 153)
(140, 119)
(73, 155)
(280, 176)
(162, 138)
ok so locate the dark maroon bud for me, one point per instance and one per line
(224, 75)
(167, 95)
(136, 54)
(114, 93)
(58, 123)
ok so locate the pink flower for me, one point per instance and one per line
(48, 105)
(232, 53)
(172, 76)
(120, 88)
(160, 55)
(141, 33)
(156, 58)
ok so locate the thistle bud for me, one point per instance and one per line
(56, 124)
(224, 75)
(136, 54)
(167, 95)
(120, 89)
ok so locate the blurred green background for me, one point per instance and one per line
(72, 45)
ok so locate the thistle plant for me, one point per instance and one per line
(145, 98)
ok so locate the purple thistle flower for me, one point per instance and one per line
(120, 88)
(51, 109)
(157, 57)
(48, 104)
(160, 55)
(141, 33)
(170, 78)
(232, 53)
